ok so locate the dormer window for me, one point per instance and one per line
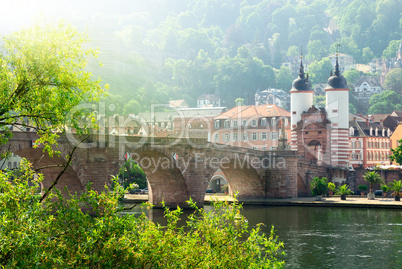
(273, 122)
(217, 124)
(263, 122)
(371, 131)
(351, 130)
(376, 131)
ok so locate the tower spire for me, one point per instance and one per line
(301, 69)
(337, 73)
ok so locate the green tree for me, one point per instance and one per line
(385, 102)
(343, 191)
(293, 51)
(319, 186)
(284, 78)
(372, 177)
(397, 153)
(393, 80)
(320, 71)
(43, 79)
(316, 50)
(390, 51)
(131, 172)
(352, 76)
(367, 55)
(396, 187)
(131, 107)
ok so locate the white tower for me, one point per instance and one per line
(301, 99)
(337, 107)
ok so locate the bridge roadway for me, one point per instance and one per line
(177, 169)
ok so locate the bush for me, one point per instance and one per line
(362, 187)
(57, 233)
(319, 186)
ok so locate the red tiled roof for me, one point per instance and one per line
(254, 111)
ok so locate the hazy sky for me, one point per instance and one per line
(17, 14)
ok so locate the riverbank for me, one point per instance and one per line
(351, 201)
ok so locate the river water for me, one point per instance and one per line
(316, 237)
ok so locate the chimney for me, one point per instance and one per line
(372, 117)
(367, 122)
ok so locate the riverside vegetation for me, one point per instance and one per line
(59, 233)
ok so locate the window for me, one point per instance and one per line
(273, 135)
(273, 122)
(245, 138)
(334, 110)
(254, 136)
(244, 123)
(264, 148)
(254, 123)
(235, 136)
(294, 112)
(226, 137)
(226, 124)
(217, 125)
(256, 148)
(235, 124)
(264, 136)
(263, 122)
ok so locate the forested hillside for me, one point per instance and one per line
(158, 50)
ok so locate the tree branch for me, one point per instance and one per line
(67, 164)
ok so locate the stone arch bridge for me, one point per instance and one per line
(177, 169)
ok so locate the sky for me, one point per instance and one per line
(18, 14)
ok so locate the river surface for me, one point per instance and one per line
(317, 237)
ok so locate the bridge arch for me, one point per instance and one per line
(51, 167)
(242, 179)
(165, 180)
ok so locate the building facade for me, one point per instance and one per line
(256, 127)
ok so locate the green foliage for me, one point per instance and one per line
(331, 186)
(362, 187)
(385, 102)
(58, 233)
(396, 187)
(384, 188)
(156, 37)
(343, 190)
(319, 186)
(43, 80)
(284, 78)
(131, 173)
(352, 76)
(372, 177)
(320, 71)
(393, 80)
(390, 51)
(397, 153)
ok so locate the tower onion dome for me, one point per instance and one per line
(301, 83)
(337, 81)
